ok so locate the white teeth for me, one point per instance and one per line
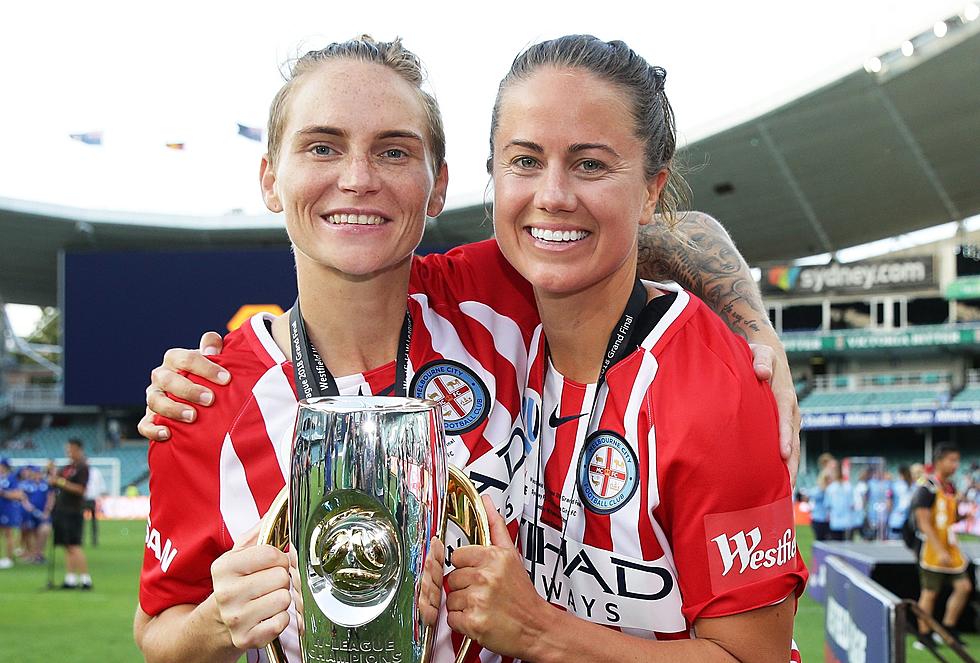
(558, 235)
(356, 219)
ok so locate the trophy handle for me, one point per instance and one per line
(274, 531)
(463, 506)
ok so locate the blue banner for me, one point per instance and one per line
(891, 418)
(864, 621)
(816, 585)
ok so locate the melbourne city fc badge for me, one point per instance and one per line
(607, 472)
(463, 396)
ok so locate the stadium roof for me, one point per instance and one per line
(869, 156)
(33, 235)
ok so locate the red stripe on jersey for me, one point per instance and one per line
(622, 379)
(507, 382)
(598, 527)
(252, 446)
(572, 402)
(479, 343)
(598, 530)
(380, 378)
(649, 545)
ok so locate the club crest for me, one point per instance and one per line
(607, 472)
(463, 396)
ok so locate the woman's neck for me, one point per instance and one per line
(578, 325)
(354, 322)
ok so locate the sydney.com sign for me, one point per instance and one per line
(864, 277)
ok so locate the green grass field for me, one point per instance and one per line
(41, 625)
(60, 625)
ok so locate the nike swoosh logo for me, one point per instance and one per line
(555, 421)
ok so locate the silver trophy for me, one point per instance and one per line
(369, 487)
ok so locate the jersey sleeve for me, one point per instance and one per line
(81, 476)
(923, 498)
(475, 272)
(185, 533)
(725, 500)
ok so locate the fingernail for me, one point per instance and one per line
(187, 415)
(210, 350)
(206, 398)
(163, 434)
(223, 377)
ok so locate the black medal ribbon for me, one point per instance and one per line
(314, 379)
(621, 344)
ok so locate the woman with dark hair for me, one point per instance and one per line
(656, 504)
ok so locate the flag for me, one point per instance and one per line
(89, 138)
(175, 146)
(252, 133)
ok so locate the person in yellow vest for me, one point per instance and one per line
(935, 506)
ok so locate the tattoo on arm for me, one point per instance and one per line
(699, 255)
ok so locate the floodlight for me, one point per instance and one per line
(907, 48)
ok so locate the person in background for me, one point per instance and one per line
(879, 490)
(941, 562)
(859, 513)
(840, 505)
(10, 513)
(900, 499)
(819, 515)
(70, 482)
(28, 522)
(918, 472)
(42, 502)
(94, 489)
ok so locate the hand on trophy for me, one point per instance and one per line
(252, 591)
(491, 598)
(430, 593)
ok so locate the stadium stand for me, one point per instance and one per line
(888, 368)
(48, 442)
(970, 395)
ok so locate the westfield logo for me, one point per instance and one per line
(744, 547)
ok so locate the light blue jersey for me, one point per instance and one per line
(878, 493)
(839, 497)
(901, 499)
(818, 505)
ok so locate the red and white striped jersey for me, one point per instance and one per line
(668, 502)
(214, 479)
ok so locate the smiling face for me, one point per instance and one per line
(354, 170)
(570, 191)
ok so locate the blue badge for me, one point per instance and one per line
(463, 396)
(607, 472)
